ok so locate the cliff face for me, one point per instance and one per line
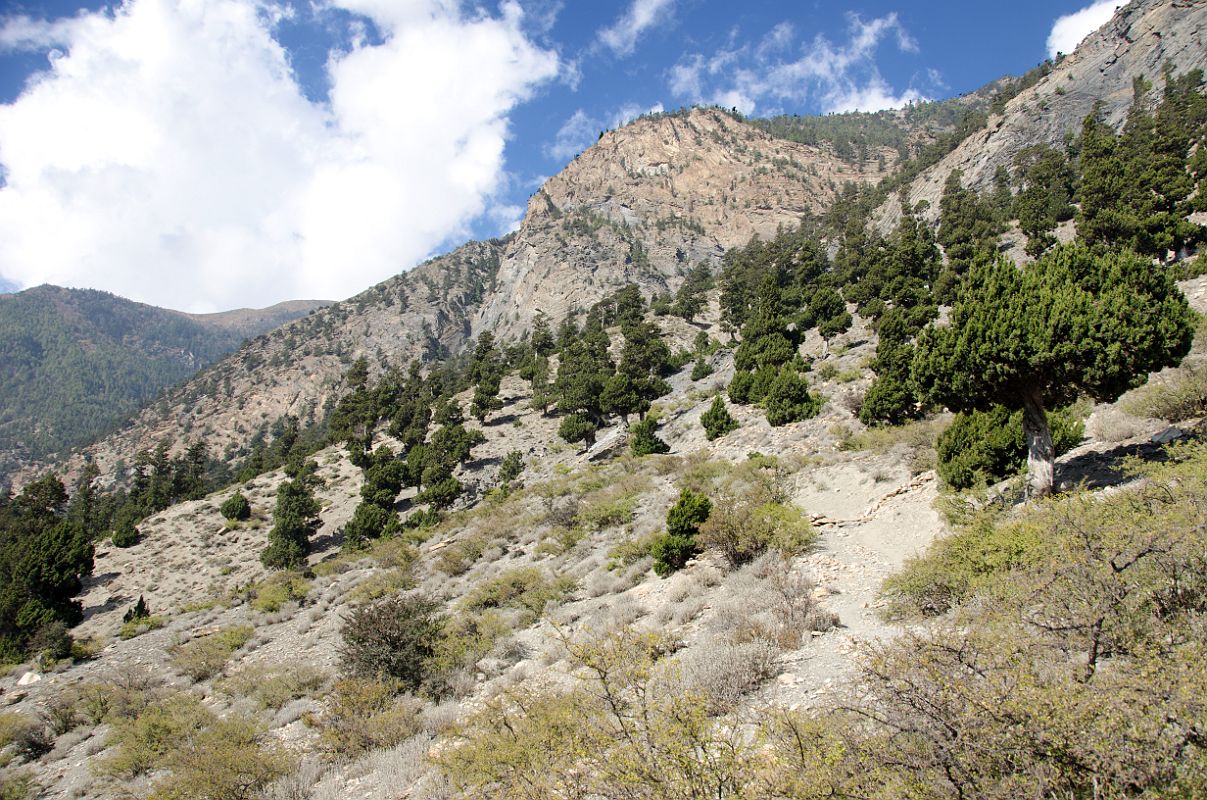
(1142, 39)
(643, 205)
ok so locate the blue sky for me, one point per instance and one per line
(209, 154)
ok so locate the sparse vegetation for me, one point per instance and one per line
(203, 658)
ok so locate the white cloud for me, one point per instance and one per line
(581, 130)
(1069, 30)
(621, 37)
(837, 77)
(169, 155)
(574, 136)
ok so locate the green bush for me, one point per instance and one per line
(236, 507)
(142, 743)
(366, 714)
(788, 399)
(717, 420)
(744, 526)
(701, 369)
(227, 760)
(643, 437)
(25, 735)
(672, 550)
(688, 512)
(205, 657)
(125, 534)
(529, 589)
(986, 446)
(278, 589)
(1182, 395)
(394, 638)
(273, 687)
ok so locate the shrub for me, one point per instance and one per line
(236, 507)
(278, 589)
(125, 534)
(141, 743)
(25, 735)
(717, 420)
(685, 516)
(273, 687)
(643, 437)
(1183, 395)
(576, 428)
(18, 786)
(987, 446)
(203, 658)
(140, 625)
(367, 714)
(701, 369)
(511, 468)
(138, 611)
(788, 399)
(228, 760)
(744, 526)
(369, 521)
(526, 588)
(672, 551)
(393, 638)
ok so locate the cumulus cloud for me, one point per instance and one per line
(581, 130)
(838, 77)
(1068, 31)
(169, 155)
(621, 37)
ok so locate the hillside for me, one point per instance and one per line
(75, 362)
(580, 520)
(1143, 38)
(644, 204)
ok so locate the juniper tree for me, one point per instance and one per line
(295, 518)
(1077, 321)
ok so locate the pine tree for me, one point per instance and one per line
(1075, 321)
(295, 518)
(717, 420)
(643, 437)
(693, 293)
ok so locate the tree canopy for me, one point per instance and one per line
(1077, 321)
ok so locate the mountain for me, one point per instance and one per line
(770, 610)
(645, 204)
(75, 362)
(1142, 40)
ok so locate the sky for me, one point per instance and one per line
(212, 154)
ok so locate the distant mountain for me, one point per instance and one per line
(76, 362)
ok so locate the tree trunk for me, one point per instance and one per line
(1041, 456)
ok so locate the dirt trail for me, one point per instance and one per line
(870, 522)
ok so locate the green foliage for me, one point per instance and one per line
(236, 507)
(511, 468)
(701, 369)
(788, 399)
(45, 553)
(717, 420)
(693, 293)
(295, 518)
(25, 735)
(528, 589)
(672, 550)
(365, 714)
(745, 523)
(643, 437)
(1138, 187)
(271, 594)
(1176, 397)
(369, 521)
(77, 362)
(230, 759)
(143, 742)
(1046, 180)
(273, 687)
(125, 534)
(1074, 322)
(138, 611)
(981, 447)
(576, 428)
(394, 639)
(203, 658)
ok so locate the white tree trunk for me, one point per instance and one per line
(1041, 455)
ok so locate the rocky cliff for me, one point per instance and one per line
(1141, 40)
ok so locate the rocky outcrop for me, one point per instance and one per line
(1140, 40)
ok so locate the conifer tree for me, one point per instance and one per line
(295, 518)
(693, 293)
(717, 420)
(1074, 322)
(643, 437)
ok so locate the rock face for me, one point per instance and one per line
(643, 205)
(1140, 40)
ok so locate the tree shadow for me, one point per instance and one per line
(112, 604)
(502, 419)
(1099, 470)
